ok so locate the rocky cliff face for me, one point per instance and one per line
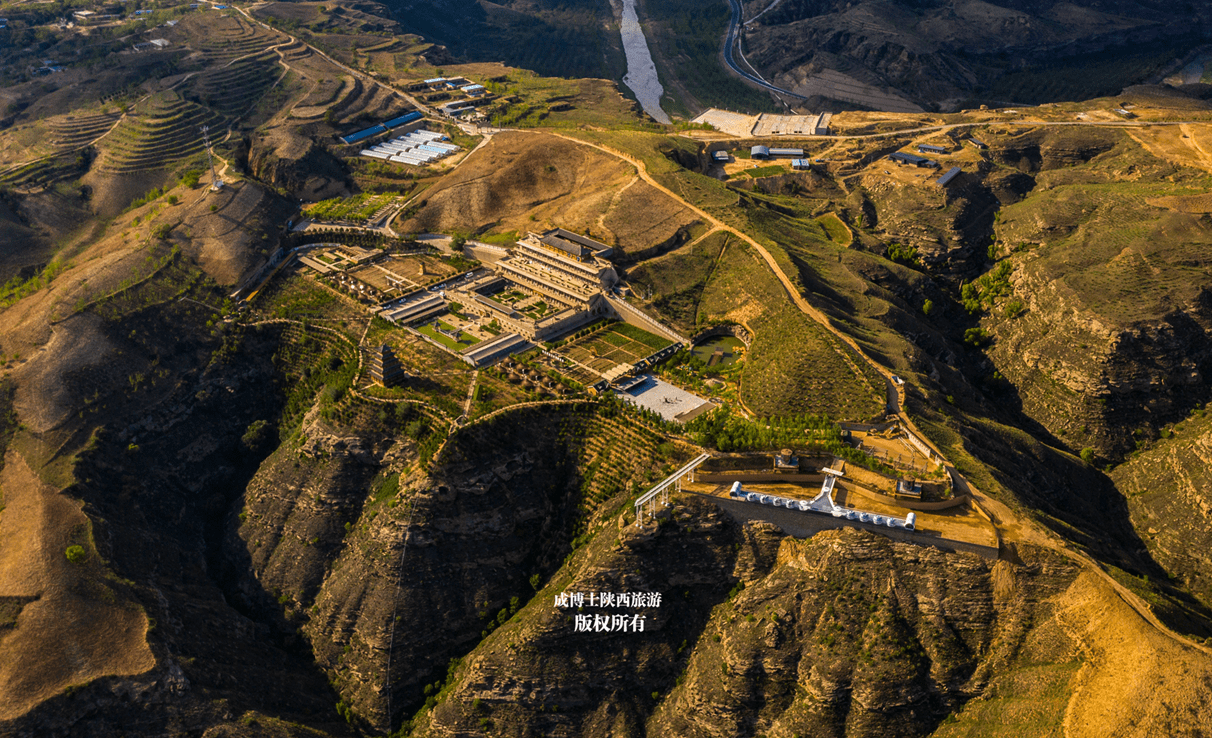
(390, 572)
(1097, 384)
(294, 163)
(1114, 337)
(846, 633)
(1169, 492)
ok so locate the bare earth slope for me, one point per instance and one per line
(526, 180)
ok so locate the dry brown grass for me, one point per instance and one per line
(1185, 146)
(1135, 681)
(1194, 204)
(521, 181)
(529, 181)
(78, 628)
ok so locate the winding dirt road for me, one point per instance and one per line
(1005, 520)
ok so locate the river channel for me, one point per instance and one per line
(641, 75)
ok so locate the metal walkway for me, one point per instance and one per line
(662, 489)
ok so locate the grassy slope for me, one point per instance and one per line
(686, 37)
(574, 39)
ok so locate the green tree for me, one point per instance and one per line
(927, 307)
(76, 554)
(255, 435)
(1088, 455)
(976, 337)
(903, 254)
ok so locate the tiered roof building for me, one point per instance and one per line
(385, 369)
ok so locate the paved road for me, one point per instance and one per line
(730, 42)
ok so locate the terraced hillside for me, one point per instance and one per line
(45, 172)
(74, 131)
(230, 37)
(364, 102)
(231, 89)
(795, 367)
(164, 130)
(233, 532)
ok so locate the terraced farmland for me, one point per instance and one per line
(614, 456)
(74, 131)
(232, 38)
(360, 100)
(233, 89)
(165, 131)
(797, 367)
(615, 344)
(44, 173)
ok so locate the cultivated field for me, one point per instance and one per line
(165, 131)
(614, 344)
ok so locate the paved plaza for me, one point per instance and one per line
(671, 403)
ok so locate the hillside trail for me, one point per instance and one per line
(614, 203)
(1005, 519)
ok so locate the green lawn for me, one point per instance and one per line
(767, 171)
(652, 341)
(465, 338)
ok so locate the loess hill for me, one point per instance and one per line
(910, 55)
(212, 523)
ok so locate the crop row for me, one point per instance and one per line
(150, 143)
(231, 90)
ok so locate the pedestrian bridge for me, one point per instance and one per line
(662, 490)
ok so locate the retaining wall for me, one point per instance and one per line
(631, 314)
(805, 525)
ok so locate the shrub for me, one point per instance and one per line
(1088, 455)
(903, 254)
(255, 435)
(927, 307)
(76, 554)
(1014, 308)
(976, 337)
